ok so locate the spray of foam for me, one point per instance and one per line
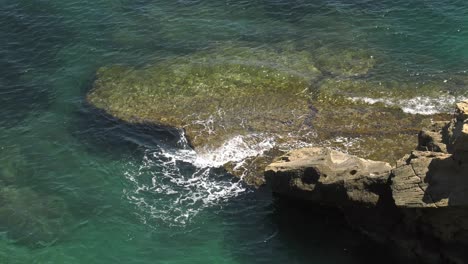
(171, 186)
(343, 144)
(418, 105)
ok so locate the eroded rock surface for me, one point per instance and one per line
(436, 177)
(458, 133)
(432, 139)
(328, 177)
(430, 179)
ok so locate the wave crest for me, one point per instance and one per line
(171, 186)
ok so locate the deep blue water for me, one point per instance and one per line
(77, 187)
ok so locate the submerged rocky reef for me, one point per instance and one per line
(28, 217)
(213, 96)
(294, 96)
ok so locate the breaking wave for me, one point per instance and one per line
(171, 186)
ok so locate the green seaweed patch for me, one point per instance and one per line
(213, 96)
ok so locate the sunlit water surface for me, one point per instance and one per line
(85, 189)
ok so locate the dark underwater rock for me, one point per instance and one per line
(27, 217)
(30, 218)
(12, 164)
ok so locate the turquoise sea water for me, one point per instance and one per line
(77, 187)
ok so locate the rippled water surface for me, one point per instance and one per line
(77, 187)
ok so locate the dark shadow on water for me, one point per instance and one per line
(31, 35)
(19, 98)
(265, 229)
(306, 224)
(100, 132)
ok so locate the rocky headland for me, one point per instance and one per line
(419, 205)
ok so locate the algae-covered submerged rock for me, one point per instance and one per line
(12, 164)
(213, 96)
(30, 218)
(414, 95)
(377, 132)
(381, 129)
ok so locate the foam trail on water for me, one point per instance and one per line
(418, 105)
(171, 186)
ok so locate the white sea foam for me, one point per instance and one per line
(418, 105)
(343, 144)
(171, 186)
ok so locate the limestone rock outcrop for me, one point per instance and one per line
(438, 176)
(432, 139)
(328, 177)
(458, 133)
(430, 179)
